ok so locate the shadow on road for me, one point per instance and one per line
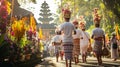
(46, 63)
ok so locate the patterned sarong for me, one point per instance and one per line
(97, 48)
(57, 48)
(68, 49)
(76, 48)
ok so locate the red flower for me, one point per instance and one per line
(3, 12)
(12, 33)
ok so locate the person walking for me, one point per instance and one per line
(56, 41)
(76, 42)
(98, 35)
(67, 29)
(51, 49)
(84, 42)
(99, 39)
(114, 47)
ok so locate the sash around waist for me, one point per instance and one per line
(57, 43)
(77, 40)
(98, 38)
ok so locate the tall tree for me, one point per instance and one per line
(114, 6)
(110, 14)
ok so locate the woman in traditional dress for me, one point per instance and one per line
(76, 42)
(114, 47)
(84, 42)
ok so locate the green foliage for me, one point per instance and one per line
(102, 6)
(4, 49)
(109, 10)
(90, 29)
(1, 39)
(23, 42)
(114, 6)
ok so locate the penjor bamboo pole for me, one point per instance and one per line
(12, 10)
(12, 2)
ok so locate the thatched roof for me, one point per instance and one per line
(20, 12)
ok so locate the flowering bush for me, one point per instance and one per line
(18, 29)
(31, 31)
(4, 12)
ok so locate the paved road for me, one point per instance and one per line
(91, 62)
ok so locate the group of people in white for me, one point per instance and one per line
(71, 40)
(80, 40)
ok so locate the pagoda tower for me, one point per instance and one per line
(45, 14)
(45, 17)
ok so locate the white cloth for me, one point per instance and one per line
(85, 39)
(51, 49)
(57, 38)
(97, 46)
(114, 53)
(67, 28)
(78, 34)
(84, 42)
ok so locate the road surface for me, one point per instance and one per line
(91, 62)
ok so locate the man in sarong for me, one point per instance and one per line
(99, 37)
(84, 41)
(67, 29)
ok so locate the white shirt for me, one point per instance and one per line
(78, 34)
(67, 28)
(85, 40)
(98, 32)
(51, 47)
(57, 38)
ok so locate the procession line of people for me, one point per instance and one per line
(72, 40)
